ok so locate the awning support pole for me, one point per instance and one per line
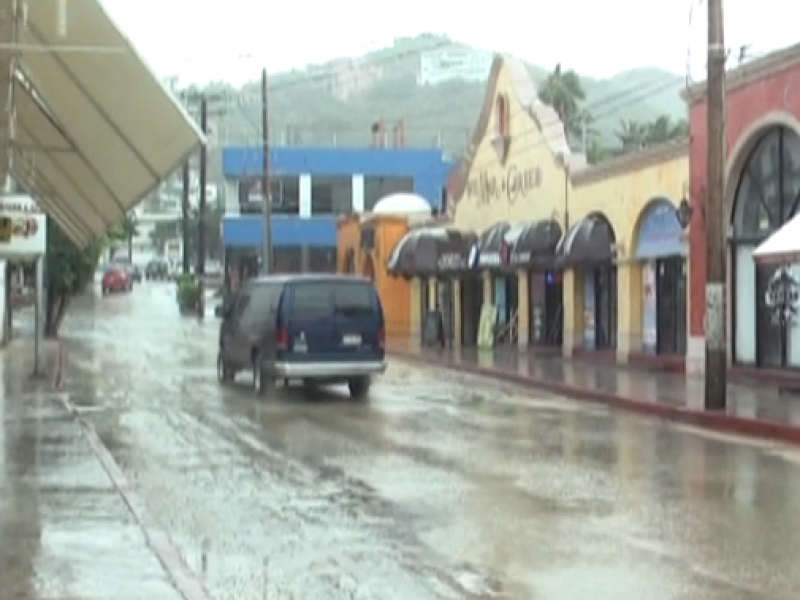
(11, 102)
(39, 366)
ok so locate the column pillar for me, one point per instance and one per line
(523, 309)
(629, 310)
(573, 311)
(457, 333)
(415, 309)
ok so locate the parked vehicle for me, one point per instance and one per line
(116, 278)
(136, 274)
(157, 270)
(318, 329)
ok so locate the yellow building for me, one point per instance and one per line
(638, 195)
(567, 256)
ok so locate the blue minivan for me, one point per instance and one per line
(316, 329)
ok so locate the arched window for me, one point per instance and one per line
(767, 196)
(501, 109)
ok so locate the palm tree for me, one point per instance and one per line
(564, 92)
(633, 134)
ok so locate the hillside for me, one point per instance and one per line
(339, 101)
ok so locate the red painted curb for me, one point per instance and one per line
(754, 428)
(188, 585)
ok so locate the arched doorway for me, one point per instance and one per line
(660, 248)
(767, 196)
(589, 249)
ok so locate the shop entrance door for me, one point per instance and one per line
(605, 294)
(553, 308)
(671, 306)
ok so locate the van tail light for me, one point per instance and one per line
(382, 338)
(282, 339)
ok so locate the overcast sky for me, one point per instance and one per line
(201, 40)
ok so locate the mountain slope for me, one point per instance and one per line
(305, 109)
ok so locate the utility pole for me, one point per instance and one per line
(267, 266)
(186, 183)
(201, 212)
(716, 293)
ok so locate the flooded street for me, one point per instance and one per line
(441, 487)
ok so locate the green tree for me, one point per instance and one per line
(162, 232)
(632, 134)
(563, 91)
(130, 231)
(69, 271)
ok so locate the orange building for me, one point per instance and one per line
(363, 246)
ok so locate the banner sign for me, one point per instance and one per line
(23, 228)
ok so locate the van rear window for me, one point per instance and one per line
(345, 298)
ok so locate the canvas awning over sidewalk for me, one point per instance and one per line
(782, 247)
(95, 130)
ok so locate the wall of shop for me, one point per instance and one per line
(514, 171)
(762, 94)
(621, 190)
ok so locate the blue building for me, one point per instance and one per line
(312, 187)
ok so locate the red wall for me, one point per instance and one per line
(779, 92)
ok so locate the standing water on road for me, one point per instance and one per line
(440, 487)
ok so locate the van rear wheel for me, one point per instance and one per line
(359, 388)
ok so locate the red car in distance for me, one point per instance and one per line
(116, 279)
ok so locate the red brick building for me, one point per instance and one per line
(762, 192)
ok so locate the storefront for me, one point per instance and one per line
(589, 250)
(439, 258)
(363, 245)
(494, 260)
(768, 194)
(660, 248)
(533, 252)
(762, 105)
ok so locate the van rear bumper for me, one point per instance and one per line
(328, 370)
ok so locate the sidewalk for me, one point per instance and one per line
(65, 531)
(752, 410)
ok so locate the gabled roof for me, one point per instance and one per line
(523, 87)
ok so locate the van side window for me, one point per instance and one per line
(353, 299)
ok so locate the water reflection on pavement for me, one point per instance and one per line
(442, 486)
(64, 530)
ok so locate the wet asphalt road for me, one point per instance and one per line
(441, 487)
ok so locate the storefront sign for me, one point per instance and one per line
(515, 183)
(452, 261)
(782, 296)
(499, 258)
(23, 228)
(660, 234)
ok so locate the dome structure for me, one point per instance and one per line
(402, 204)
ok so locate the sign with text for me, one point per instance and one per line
(508, 185)
(23, 228)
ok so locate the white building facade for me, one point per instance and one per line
(453, 64)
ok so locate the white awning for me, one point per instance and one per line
(96, 131)
(782, 247)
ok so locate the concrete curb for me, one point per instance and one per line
(722, 422)
(186, 582)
